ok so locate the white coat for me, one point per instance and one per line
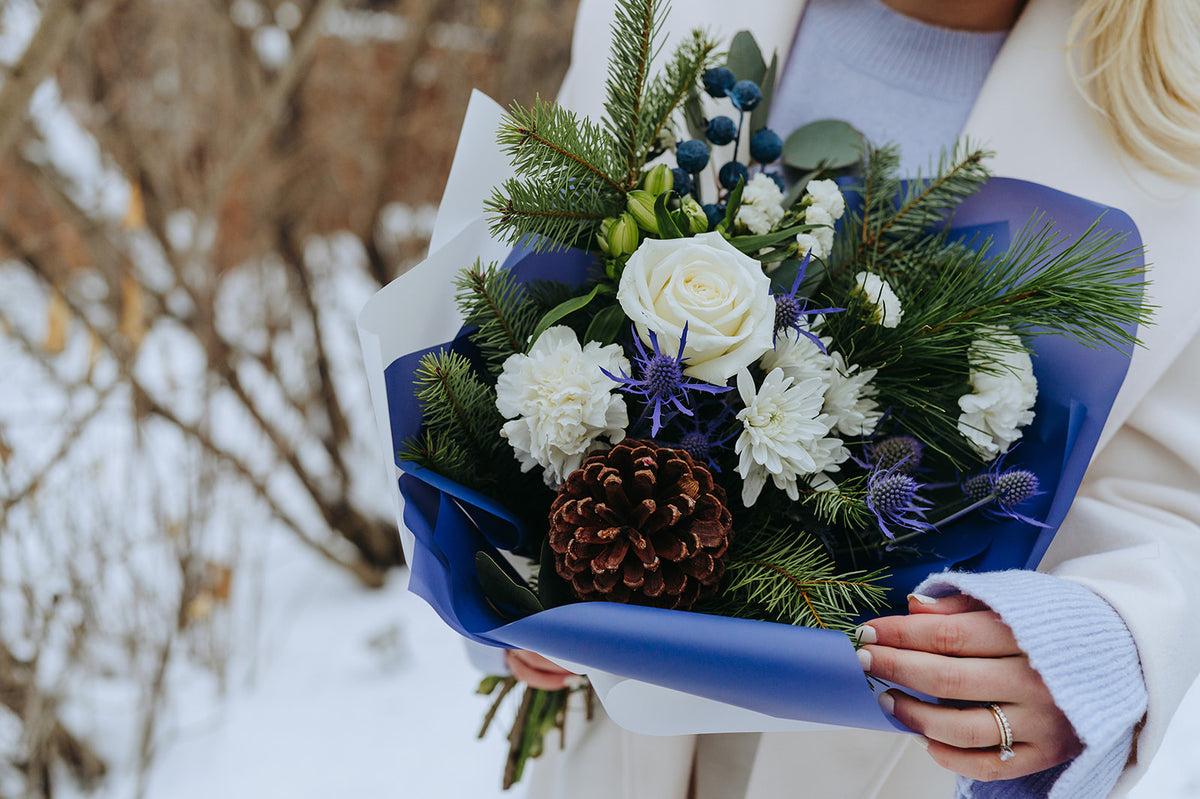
(1133, 535)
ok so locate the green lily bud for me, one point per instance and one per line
(623, 236)
(659, 179)
(697, 219)
(640, 203)
(602, 235)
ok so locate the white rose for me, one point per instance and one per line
(719, 292)
(562, 402)
(881, 295)
(1005, 391)
(825, 195)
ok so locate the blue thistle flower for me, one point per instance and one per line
(901, 451)
(1001, 491)
(708, 434)
(662, 381)
(790, 310)
(892, 497)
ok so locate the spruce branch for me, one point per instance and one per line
(550, 216)
(636, 29)
(673, 86)
(491, 300)
(548, 141)
(787, 576)
(439, 453)
(457, 406)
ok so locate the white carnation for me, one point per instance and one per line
(562, 403)
(784, 433)
(1005, 391)
(849, 399)
(762, 205)
(881, 295)
(820, 239)
(825, 195)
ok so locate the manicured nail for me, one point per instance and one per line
(864, 657)
(924, 600)
(922, 742)
(866, 634)
(888, 703)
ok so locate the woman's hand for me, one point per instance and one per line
(534, 670)
(956, 649)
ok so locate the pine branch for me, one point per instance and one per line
(440, 454)
(548, 141)
(673, 86)
(635, 41)
(551, 215)
(497, 305)
(457, 406)
(788, 577)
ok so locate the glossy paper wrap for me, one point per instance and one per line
(672, 672)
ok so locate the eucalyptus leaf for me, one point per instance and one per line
(745, 59)
(510, 599)
(824, 144)
(561, 310)
(761, 112)
(606, 325)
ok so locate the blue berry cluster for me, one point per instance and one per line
(692, 156)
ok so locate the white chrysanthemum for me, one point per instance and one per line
(784, 433)
(849, 399)
(562, 402)
(826, 195)
(799, 357)
(881, 295)
(1004, 393)
(762, 205)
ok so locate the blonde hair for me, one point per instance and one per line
(1138, 63)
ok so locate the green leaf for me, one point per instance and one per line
(606, 325)
(668, 226)
(510, 599)
(561, 310)
(732, 204)
(752, 244)
(758, 117)
(745, 59)
(824, 144)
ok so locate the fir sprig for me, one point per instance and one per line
(458, 411)
(636, 29)
(503, 315)
(672, 87)
(786, 575)
(549, 215)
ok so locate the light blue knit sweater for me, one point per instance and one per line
(903, 82)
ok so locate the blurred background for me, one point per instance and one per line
(201, 588)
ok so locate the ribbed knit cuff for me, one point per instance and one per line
(1089, 662)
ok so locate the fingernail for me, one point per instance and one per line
(924, 600)
(866, 634)
(864, 657)
(887, 702)
(922, 742)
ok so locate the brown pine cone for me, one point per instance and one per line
(641, 524)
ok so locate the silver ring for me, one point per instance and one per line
(1006, 736)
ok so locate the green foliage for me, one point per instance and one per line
(572, 173)
(498, 307)
(461, 423)
(786, 575)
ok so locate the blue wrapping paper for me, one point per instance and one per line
(777, 670)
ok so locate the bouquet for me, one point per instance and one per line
(686, 416)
